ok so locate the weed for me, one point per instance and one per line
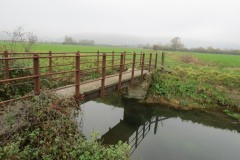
(232, 114)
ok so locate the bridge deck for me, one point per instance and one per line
(95, 86)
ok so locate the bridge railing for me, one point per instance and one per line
(23, 75)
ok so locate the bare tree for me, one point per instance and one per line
(31, 41)
(27, 39)
(16, 36)
(176, 43)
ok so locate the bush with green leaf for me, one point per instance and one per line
(49, 131)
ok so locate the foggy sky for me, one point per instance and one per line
(197, 22)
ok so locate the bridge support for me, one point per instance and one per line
(142, 65)
(36, 74)
(103, 74)
(7, 74)
(120, 73)
(50, 64)
(156, 57)
(150, 63)
(133, 67)
(77, 76)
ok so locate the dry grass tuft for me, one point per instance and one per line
(190, 59)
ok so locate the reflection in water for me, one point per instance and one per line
(162, 133)
(141, 132)
(99, 117)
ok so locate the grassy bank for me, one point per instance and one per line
(195, 80)
(48, 131)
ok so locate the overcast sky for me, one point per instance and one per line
(209, 22)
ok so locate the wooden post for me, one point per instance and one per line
(97, 61)
(50, 64)
(150, 63)
(36, 74)
(103, 74)
(133, 66)
(77, 76)
(156, 57)
(140, 59)
(7, 73)
(112, 61)
(124, 60)
(163, 59)
(120, 73)
(142, 66)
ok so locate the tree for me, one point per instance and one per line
(31, 41)
(69, 40)
(27, 39)
(16, 36)
(176, 43)
(155, 47)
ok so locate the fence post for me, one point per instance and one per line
(133, 66)
(142, 66)
(163, 59)
(156, 57)
(7, 73)
(97, 61)
(77, 76)
(50, 64)
(150, 63)
(112, 61)
(103, 74)
(124, 60)
(120, 73)
(36, 74)
(140, 59)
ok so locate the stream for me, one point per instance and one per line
(160, 132)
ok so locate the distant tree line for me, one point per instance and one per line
(70, 40)
(176, 45)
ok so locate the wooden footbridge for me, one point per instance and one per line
(84, 75)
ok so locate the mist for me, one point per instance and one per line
(120, 22)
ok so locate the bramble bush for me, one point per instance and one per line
(49, 131)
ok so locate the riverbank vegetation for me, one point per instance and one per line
(198, 80)
(45, 128)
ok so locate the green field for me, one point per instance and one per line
(220, 60)
(195, 79)
(43, 47)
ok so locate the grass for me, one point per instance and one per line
(199, 80)
(219, 60)
(232, 114)
(43, 47)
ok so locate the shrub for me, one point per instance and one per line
(50, 132)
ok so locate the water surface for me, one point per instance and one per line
(158, 132)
